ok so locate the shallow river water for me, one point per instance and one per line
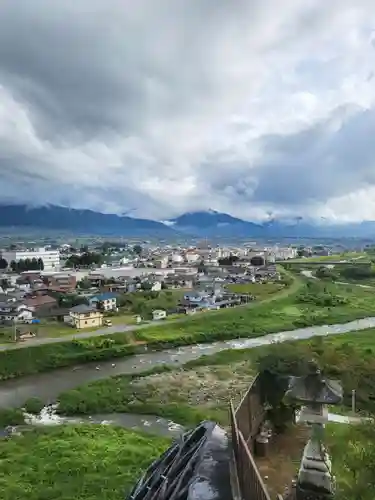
(47, 386)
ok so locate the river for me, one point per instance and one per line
(47, 386)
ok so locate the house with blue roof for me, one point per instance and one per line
(105, 301)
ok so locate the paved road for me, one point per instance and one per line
(122, 327)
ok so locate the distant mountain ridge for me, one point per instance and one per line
(203, 224)
(88, 221)
(216, 224)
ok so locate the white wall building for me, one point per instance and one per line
(50, 258)
(192, 257)
(282, 253)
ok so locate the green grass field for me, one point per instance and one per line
(361, 256)
(259, 290)
(81, 462)
(282, 311)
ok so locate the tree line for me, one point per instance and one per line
(87, 259)
(23, 265)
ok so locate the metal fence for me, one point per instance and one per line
(245, 423)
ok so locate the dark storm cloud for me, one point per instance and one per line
(319, 163)
(121, 104)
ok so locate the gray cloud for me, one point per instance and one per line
(168, 106)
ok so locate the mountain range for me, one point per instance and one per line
(215, 224)
(207, 224)
(84, 221)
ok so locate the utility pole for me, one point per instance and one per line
(14, 330)
(353, 401)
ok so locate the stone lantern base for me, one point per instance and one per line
(307, 494)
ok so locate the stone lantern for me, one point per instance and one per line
(313, 392)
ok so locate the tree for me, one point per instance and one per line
(137, 249)
(275, 367)
(5, 283)
(73, 261)
(85, 260)
(3, 263)
(145, 285)
(357, 272)
(325, 273)
(228, 261)
(13, 266)
(201, 267)
(40, 264)
(69, 300)
(84, 284)
(26, 264)
(34, 264)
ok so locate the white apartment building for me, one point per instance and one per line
(282, 253)
(50, 258)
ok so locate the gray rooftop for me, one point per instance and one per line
(82, 308)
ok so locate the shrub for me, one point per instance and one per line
(34, 406)
(11, 416)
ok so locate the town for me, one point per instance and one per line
(62, 287)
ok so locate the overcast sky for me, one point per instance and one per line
(156, 107)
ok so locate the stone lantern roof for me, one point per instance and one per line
(313, 388)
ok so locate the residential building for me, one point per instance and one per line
(84, 316)
(279, 253)
(195, 297)
(192, 256)
(12, 311)
(38, 302)
(176, 258)
(160, 262)
(64, 282)
(50, 258)
(104, 301)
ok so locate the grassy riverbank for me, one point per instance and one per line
(202, 388)
(303, 304)
(352, 448)
(337, 257)
(81, 462)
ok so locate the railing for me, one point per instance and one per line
(245, 423)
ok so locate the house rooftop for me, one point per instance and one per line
(39, 300)
(104, 296)
(82, 308)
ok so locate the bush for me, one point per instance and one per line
(11, 416)
(357, 273)
(34, 406)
